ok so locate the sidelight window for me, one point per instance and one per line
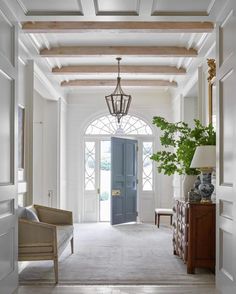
(147, 174)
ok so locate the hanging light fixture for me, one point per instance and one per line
(118, 102)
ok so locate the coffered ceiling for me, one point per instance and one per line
(75, 42)
(115, 7)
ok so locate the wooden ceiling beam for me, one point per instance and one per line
(112, 83)
(130, 69)
(74, 51)
(125, 26)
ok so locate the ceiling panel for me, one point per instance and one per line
(51, 7)
(181, 7)
(117, 7)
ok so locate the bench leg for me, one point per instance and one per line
(56, 269)
(72, 245)
(171, 218)
(158, 222)
(155, 218)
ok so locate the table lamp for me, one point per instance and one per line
(204, 159)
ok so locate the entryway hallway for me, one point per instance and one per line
(129, 254)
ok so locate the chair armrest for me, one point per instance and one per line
(53, 215)
(33, 233)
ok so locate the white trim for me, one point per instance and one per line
(22, 6)
(47, 91)
(147, 194)
(96, 117)
(212, 3)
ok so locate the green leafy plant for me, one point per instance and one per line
(181, 142)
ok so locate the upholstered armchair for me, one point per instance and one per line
(46, 236)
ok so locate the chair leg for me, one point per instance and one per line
(158, 222)
(72, 245)
(56, 269)
(155, 218)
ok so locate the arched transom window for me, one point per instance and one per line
(107, 125)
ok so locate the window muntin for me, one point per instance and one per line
(147, 170)
(108, 125)
(89, 166)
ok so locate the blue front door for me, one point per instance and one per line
(123, 180)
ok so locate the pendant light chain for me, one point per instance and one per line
(118, 59)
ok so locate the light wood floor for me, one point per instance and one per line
(117, 290)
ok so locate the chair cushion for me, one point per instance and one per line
(64, 233)
(28, 213)
(164, 211)
(21, 212)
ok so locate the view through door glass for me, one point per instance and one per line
(105, 181)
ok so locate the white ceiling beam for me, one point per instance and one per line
(74, 51)
(112, 83)
(129, 69)
(126, 26)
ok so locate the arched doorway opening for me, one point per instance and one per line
(97, 162)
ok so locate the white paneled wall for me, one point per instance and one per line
(26, 86)
(187, 107)
(190, 112)
(83, 108)
(45, 151)
(45, 141)
(177, 109)
(63, 154)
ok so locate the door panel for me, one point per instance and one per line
(123, 180)
(226, 84)
(6, 119)
(226, 152)
(131, 180)
(6, 254)
(6, 39)
(8, 154)
(117, 181)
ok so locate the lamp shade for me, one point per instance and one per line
(204, 157)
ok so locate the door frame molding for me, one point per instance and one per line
(97, 139)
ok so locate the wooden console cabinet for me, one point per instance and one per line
(194, 234)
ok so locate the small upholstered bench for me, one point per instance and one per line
(162, 212)
(44, 233)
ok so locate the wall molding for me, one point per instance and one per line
(44, 86)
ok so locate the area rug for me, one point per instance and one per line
(130, 254)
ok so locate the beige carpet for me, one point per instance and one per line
(124, 254)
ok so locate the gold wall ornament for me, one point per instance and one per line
(211, 78)
(211, 69)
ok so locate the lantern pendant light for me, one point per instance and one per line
(118, 102)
